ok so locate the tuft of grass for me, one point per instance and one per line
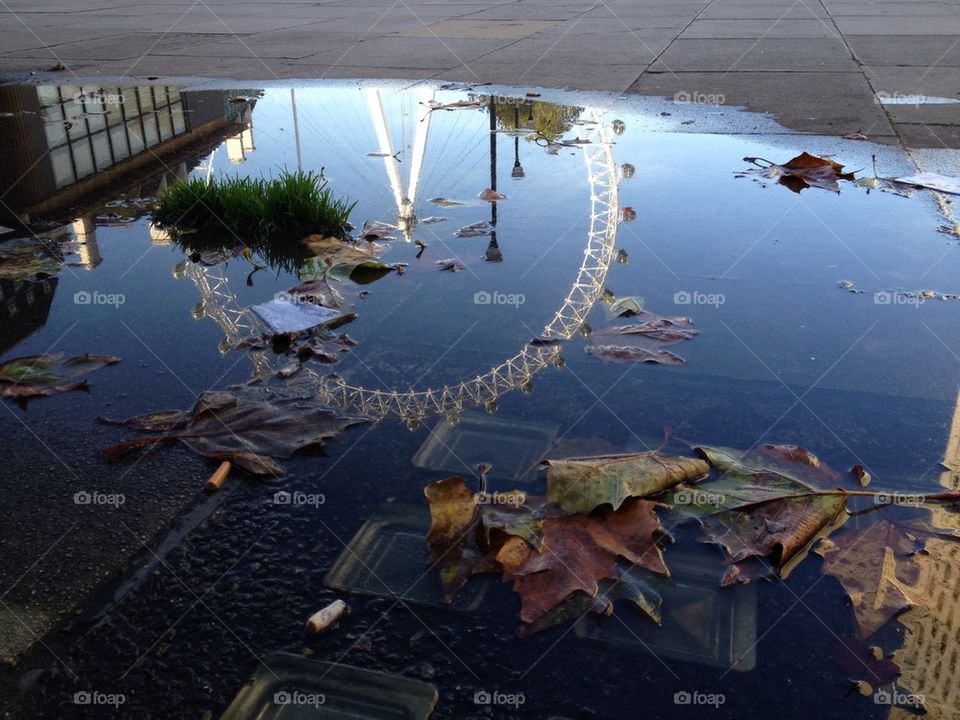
(293, 204)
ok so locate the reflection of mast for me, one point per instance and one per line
(406, 220)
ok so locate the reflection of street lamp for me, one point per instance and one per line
(517, 171)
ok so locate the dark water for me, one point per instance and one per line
(783, 356)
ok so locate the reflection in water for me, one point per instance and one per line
(91, 186)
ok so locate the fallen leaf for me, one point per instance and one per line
(770, 504)
(861, 662)
(29, 259)
(803, 171)
(43, 375)
(491, 195)
(618, 354)
(375, 230)
(445, 202)
(458, 105)
(453, 534)
(450, 264)
(475, 230)
(876, 567)
(578, 552)
(578, 485)
(249, 433)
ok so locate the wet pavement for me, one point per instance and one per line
(821, 66)
(170, 598)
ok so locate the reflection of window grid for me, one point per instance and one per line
(109, 125)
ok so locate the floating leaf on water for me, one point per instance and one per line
(445, 202)
(803, 171)
(619, 354)
(248, 433)
(457, 105)
(579, 552)
(491, 195)
(43, 375)
(474, 230)
(625, 306)
(29, 259)
(432, 219)
(579, 485)
(375, 230)
(450, 264)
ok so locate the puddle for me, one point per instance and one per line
(605, 200)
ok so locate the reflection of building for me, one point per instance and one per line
(70, 145)
(930, 657)
(24, 306)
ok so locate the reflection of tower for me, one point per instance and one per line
(406, 203)
(85, 232)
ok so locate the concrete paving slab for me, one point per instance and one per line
(895, 9)
(925, 135)
(480, 28)
(591, 49)
(891, 25)
(768, 54)
(919, 50)
(726, 9)
(291, 45)
(920, 91)
(116, 47)
(760, 28)
(421, 52)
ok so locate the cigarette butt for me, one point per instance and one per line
(322, 619)
(219, 476)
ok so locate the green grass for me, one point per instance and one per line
(292, 205)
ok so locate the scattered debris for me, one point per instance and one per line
(932, 181)
(325, 618)
(219, 476)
